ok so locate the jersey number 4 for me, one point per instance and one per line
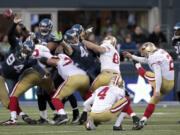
(102, 93)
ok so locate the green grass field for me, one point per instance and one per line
(163, 122)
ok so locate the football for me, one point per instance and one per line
(7, 13)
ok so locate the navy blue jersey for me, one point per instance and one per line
(47, 38)
(14, 65)
(85, 60)
(176, 44)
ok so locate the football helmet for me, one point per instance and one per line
(27, 49)
(110, 40)
(177, 30)
(45, 26)
(147, 49)
(71, 36)
(78, 28)
(116, 81)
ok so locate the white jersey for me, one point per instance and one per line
(104, 97)
(110, 59)
(67, 68)
(41, 51)
(162, 58)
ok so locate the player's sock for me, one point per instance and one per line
(119, 119)
(149, 110)
(130, 111)
(41, 102)
(141, 71)
(126, 107)
(19, 110)
(57, 104)
(73, 101)
(13, 104)
(61, 112)
(13, 115)
(43, 114)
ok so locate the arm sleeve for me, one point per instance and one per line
(87, 104)
(139, 59)
(158, 76)
(11, 36)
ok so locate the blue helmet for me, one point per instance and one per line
(70, 35)
(177, 30)
(27, 48)
(78, 28)
(45, 26)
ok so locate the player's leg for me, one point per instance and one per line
(121, 106)
(42, 106)
(75, 110)
(64, 90)
(72, 84)
(101, 80)
(72, 100)
(167, 86)
(4, 97)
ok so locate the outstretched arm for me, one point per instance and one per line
(134, 57)
(94, 47)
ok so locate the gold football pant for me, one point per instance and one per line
(71, 84)
(4, 96)
(102, 79)
(166, 86)
(31, 79)
(111, 113)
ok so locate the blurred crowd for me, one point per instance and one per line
(130, 38)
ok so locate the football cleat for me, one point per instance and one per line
(179, 121)
(90, 124)
(61, 119)
(28, 120)
(83, 118)
(117, 128)
(9, 122)
(136, 123)
(142, 123)
(55, 117)
(41, 121)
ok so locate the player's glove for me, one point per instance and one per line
(17, 19)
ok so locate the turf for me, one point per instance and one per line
(163, 122)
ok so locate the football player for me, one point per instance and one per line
(162, 77)
(82, 57)
(16, 64)
(75, 78)
(46, 38)
(176, 44)
(110, 66)
(107, 102)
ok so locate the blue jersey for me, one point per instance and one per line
(14, 65)
(47, 38)
(176, 44)
(85, 60)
